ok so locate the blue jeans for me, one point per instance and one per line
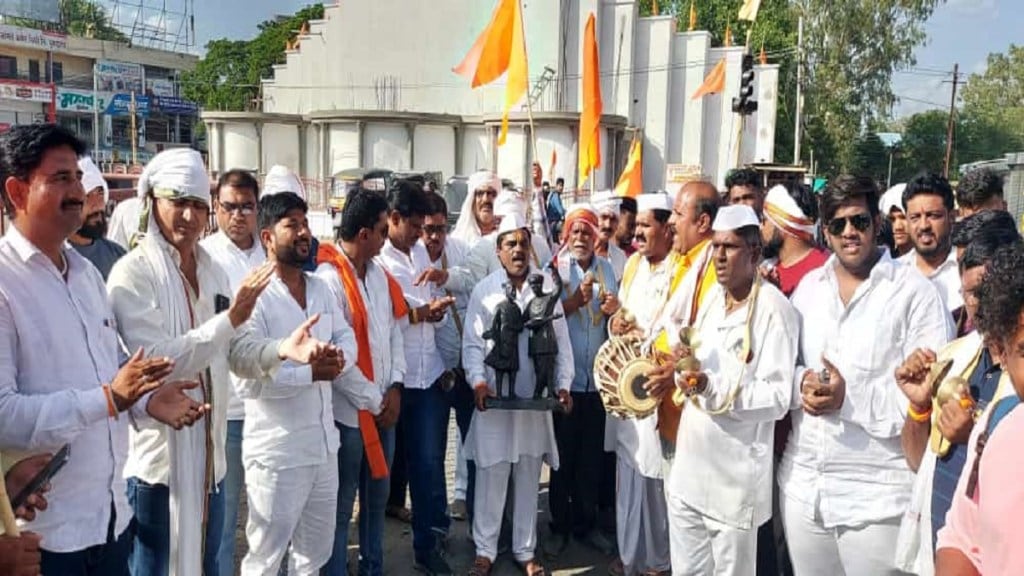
(109, 559)
(425, 417)
(353, 475)
(151, 548)
(234, 483)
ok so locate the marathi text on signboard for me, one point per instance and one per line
(176, 106)
(29, 38)
(71, 100)
(120, 77)
(120, 105)
(25, 92)
(42, 10)
(162, 88)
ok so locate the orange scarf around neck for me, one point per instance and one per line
(330, 254)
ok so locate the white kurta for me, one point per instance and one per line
(497, 436)
(636, 441)
(290, 441)
(723, 465)
(946, 278)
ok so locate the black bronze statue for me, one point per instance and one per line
(543, 346)
(505, 328)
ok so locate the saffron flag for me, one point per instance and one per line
(500, 48)
(554, 162)
(590, 118)
(749, 10)
(714, 82)
(631, 183)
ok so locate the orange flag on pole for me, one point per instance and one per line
(631, 183)
(554, 161)
(590, 118)
(714, 82)
(500, 48)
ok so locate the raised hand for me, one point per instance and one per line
(172, 406)
(912, 378)
(19, 476)
(138, 377)
(328, 363)
(433, 275)
(300, 346)
(245, 299)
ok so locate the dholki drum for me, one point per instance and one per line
(620, 373)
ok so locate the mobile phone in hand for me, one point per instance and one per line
(43, 477)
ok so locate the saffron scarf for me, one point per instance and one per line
(361, 326)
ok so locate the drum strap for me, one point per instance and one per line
(744, 355)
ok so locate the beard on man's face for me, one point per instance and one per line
(773, 246)
(94, 228)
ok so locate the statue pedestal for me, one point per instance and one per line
(537, 404)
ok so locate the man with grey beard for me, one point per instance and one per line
(89, 240)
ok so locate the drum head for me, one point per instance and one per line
(631, 387)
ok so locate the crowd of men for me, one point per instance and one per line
(796, 339)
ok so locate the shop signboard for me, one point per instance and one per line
(114, 76)
(26, 92)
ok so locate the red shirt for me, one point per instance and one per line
(790, 276)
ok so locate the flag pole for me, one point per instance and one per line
(529, 115)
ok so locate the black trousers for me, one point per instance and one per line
(576, 485)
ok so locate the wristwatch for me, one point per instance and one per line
(400, 386)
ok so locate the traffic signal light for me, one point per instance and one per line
(744, 105)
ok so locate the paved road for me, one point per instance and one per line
(398, 557)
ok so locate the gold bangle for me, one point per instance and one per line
(919, 417)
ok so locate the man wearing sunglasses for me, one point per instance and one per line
(844, 481)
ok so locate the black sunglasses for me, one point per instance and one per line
(860, 223)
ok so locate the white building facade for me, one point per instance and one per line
(371, 85)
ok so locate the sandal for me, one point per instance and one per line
(533, 568)
(399, 513)
(481, 567)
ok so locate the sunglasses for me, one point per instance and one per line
(860, 223)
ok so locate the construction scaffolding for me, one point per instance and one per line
(161, 24)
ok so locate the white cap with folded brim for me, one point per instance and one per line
(735, 217)
(281, 179)
(509, 202)
(92, 178)
(606, 201)
(893, 198)
(512, 222)
(654, 201)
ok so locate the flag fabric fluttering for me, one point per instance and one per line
(631, 183)
(554, 162)
(749, 10)
(693, 16)
(500, 48)
(590, 118)
(714, 82)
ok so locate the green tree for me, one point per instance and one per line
(993, 108)
(851, 48)
(83, 18)
(228, 77)
(870, 157)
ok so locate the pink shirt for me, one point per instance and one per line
(987, 527)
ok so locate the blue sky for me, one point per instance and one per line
(963, 31)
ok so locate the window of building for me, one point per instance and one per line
(33, 70)
(8, 67)
(58, 73)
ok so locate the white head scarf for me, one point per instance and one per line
(783, 211)
(509, 202)
(606, 201)
(92, 178)
(176, 173)
(893, 198)
(466, 228)
(281, 179)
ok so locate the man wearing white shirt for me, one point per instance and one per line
(291, 443)
(124, 222)
(843, 478)
(373, 304)
(424, 419)
(929, 202)
(509, 442)
(236, 249)
(171, 298)
(450, 277)
(56, 389)
(720, 484)
(607, 205)
(483, 259)
(651, 276)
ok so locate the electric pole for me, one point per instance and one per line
(952, 115)
(799, 91)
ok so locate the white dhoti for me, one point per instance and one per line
(489, 505)
(296, 505)
(815, 549)
(702, 546)
(641, 521)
